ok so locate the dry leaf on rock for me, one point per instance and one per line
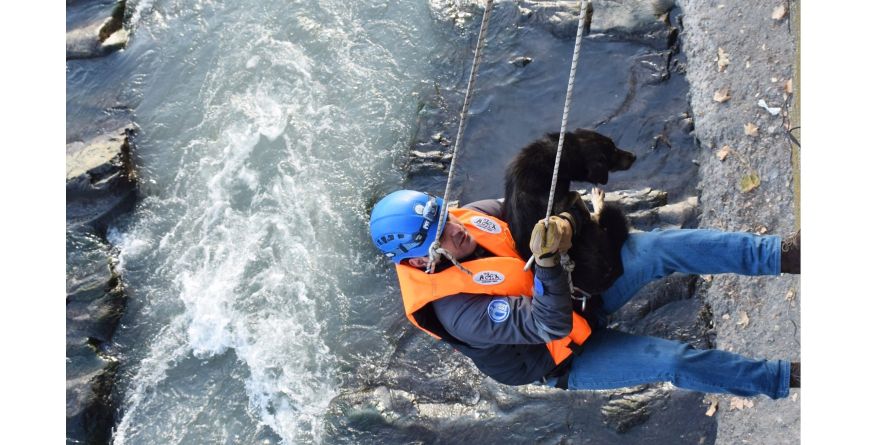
(743, 319)
(726, 316)
(712, 408)
(722, 60)
(794, 397)
(761, 230)
(789, 86)
(723, 152)
(779, 12)
(790, 295)
(707, 278)
(722, 95)
(740, 403)
(749, 182)
(750, 129)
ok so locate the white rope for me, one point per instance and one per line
(572, 70)
(435, 250)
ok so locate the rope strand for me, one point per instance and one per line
(433, 251)
(566, 105)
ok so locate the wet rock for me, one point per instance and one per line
(669, 308)
(627, 17)
(424, 162)
(630, 407)
(89, 407)
(100, 180)
(98, 38)
(458, 13)
(652, 68)
(95, 297)
(560, 18)
(687, 124)
(430, 372)
(94, 303)
(520, 61)
(674, 288)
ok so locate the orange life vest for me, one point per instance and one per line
(499, 275)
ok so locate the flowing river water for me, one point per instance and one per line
(267, 130)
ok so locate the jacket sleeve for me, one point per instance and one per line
(480, 320)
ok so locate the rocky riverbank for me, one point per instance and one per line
(740, 56)
(101, 185)
(95, 28)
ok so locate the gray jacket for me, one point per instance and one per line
(506, 336)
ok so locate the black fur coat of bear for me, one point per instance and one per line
(587, 156)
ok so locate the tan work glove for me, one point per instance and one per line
(546, 243)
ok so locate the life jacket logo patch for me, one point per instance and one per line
(498, 310)
(488, 277)
(485, 224)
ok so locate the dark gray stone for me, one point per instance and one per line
(99, 37)
(100, 182)
(94, 303)
(630, 407)
(423, 162)
(89, 397)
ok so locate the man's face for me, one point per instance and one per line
(456, 240)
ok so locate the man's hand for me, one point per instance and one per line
(548, 242)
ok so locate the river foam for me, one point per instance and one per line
(262, 127)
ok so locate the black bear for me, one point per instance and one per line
(587, 156)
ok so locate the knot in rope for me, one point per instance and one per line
(434, 253)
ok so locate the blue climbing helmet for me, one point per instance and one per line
(404, 224)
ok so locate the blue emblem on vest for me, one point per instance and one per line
(498, 310)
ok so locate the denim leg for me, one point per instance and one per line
(647, 256)
(614, 359)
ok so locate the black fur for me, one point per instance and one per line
(587, 156)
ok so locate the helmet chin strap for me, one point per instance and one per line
(434, 253)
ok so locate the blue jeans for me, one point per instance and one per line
(613, 359)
